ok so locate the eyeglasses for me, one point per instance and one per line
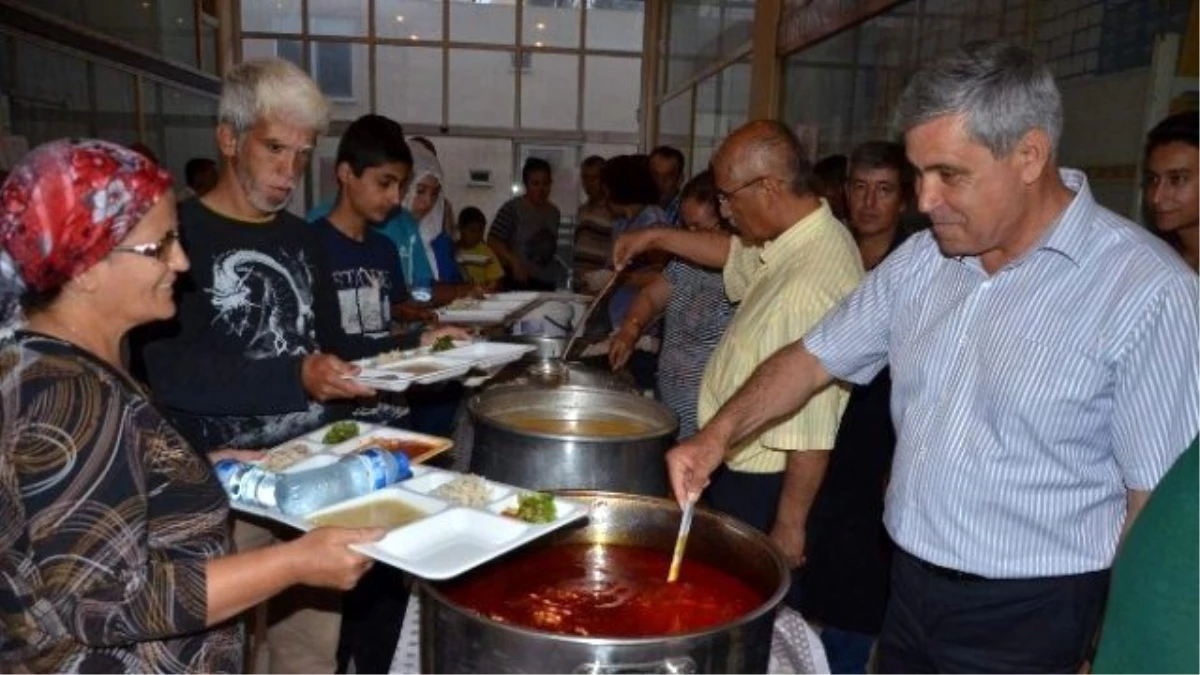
(159, 250)
(724, 197)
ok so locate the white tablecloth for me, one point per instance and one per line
(794, 649)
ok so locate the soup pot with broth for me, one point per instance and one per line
(594, 599)
(571, 437)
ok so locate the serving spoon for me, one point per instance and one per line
(685, 526)
(587, 314)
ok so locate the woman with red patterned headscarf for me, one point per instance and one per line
(114, 532)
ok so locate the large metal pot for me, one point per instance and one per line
(455, 639)
(544, 461)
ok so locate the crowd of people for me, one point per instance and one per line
(948, 428)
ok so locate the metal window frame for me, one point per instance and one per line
(518, 134)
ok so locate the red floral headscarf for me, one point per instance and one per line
(64, 207)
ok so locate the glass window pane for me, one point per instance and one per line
(694, 40)
(408, 84)
(177, 30)
(324, 170)
(340, 69)
(271, 16)
(612, 93)
(821, 100)
(544, 25)
(550, 92)
(337, 17)
(292, 50)
(461, 156)
(735, 98)
(409, 19)
(115, 107)
(675, 122)
(616, 25)
(737, 25)
(188, 121)
(208, 46)
(472, 22)
(482, 87)
(707, 121)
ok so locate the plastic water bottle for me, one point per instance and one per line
(301, 493)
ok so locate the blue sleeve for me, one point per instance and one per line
(319, 211)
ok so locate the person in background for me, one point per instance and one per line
(695, 311)
(593, 228)
(145, 151)
(373, 164)
(666, 166)
(426, 249)
(1153, 612)
(1045, 376)
(117, 551)
(848, 554)
(1171, 184)
(831, 183)
(200, 174)
(474, 256)
(249, 361)
(633, 203)
(791, 263)
(524, 233)
(451, 224)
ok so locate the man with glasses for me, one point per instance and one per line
(790, 264)
(1045, 375)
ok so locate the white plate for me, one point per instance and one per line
(452, 539)
(380, 379)
(472, 315)
(489, 354)
(428, 369)
(522, 296)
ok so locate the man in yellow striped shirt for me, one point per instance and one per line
(791, 263)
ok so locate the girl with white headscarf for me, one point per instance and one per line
(429, 255)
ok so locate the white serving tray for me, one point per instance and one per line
(390, 372)
(418, 447)
(451, 539)
(489, 354)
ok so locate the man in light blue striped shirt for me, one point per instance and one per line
(1045, 374)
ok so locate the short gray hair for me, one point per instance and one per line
(1002, 90)
(254, 90)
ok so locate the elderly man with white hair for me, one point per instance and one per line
(248, 361)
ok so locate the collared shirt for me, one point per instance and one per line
(784, 289)
(1028, 401)
(672, 209)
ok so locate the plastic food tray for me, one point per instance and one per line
(489, 354)
(449, 539)
(317, 453)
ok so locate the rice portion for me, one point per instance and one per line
(468, 490)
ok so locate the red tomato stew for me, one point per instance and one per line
(610, 590)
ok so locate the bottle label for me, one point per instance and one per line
(229, 473)
(379, 468)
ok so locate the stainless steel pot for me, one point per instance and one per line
(542, 461)
(455, 639)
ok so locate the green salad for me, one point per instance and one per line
(340, 431)
(534, 507)
(442, 344)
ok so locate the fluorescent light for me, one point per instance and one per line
(399, 18)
